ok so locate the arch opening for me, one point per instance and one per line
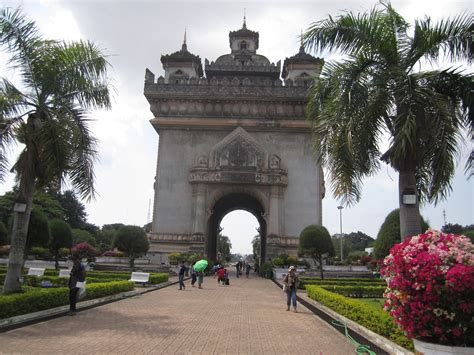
(227, 204)
(240, 227)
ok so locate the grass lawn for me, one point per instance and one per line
(375, 303)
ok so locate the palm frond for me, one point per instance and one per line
(22, 40)
(82, 151)
(346, 117)
(80, 75)
(348, 33)
(450, 37)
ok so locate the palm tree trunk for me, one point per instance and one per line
(21, 220)
(410, 220)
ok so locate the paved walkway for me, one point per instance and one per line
(246, 317)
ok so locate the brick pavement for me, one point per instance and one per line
(246, 317)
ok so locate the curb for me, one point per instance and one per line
(51, 313)
(362, 335)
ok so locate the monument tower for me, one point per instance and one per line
(233, 138)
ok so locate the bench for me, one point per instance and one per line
(35, 271)
(64, 273)
(140, 277)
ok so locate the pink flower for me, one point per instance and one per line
(430, 279)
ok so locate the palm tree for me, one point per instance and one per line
(46, 113)
(378, 88)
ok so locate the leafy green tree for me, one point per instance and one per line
(61, 237)
(132, 240)
(147, 227)
(380, 88)
(80, 235)
(452, 228)
(6, 207)
(74, 211)
(46, 112)
(38, 231)
(3, 234)
(105, 239)
(256, 248)
(48, 204)
(223, 248)
(315, 242)
(389, 234)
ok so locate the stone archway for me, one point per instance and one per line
(228, 203)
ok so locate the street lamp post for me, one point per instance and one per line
(340, 226)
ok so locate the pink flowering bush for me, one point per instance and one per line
(430, 293)
(84, 249)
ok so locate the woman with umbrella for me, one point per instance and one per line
(200, 266)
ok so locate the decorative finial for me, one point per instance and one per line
(184, 48)
(301, 42)
(245, 22)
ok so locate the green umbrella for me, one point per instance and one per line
(200, 265)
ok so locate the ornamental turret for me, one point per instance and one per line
(243, 66)
(181, 66)
(302, 68)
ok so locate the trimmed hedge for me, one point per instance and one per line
(356, 291)
(357, 280)
(378, 321)
(37, 299)
(341, 282)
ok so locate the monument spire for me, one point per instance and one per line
(184, 48)
(245, 22)
(301, 42)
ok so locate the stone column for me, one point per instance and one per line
(200, 213)
(274, 213)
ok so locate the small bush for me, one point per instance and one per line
(378, 321)
(278, 261)
(266, 270)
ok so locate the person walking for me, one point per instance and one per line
(200, 276)
(77, 274)
(291, 282)
(247, 269)
(237, 268)
(181, 273)
(193, 275)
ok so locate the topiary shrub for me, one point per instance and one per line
(278, 261)
(315, 242)
(389, 234)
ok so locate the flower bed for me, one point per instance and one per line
(37, 299)
(379, 322)
(430, 291)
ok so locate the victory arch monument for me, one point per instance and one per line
(233, 136)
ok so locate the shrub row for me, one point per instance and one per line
(354, 291)
(340, 282)
(37, 299)
(355, 280)
(155, 278)
(378, 321)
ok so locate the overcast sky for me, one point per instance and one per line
(136, 33)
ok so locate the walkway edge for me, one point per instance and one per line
(375, 339)
(50, 313)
